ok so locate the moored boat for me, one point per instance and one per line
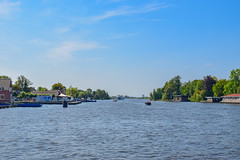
(28, 104)
(5, 105)
(148, 103)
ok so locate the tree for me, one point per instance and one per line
(100, 94)
(207, 85)
(198, 96)
(89, 93)
(157, 95)
(72, 91)
(59, 86)
(218, 88)
(185, 89)
(172, 88)
(23, 84)
(154, 95)
(190, 87)
(3, 76)
(42, 89)
(233, 85)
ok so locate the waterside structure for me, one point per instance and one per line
(232, 98)
(214, 99)
(5, 92)
(180, 98)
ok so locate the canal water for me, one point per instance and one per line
(125, 129)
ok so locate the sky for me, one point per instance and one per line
(126, 47)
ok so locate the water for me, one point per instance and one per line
(121, 130)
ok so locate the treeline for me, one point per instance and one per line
(198, 89)
(22, 89)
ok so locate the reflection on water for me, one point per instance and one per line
(127, 129)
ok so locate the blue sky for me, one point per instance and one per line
(125, 47)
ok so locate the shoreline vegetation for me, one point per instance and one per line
(198, 89)
(22, 90)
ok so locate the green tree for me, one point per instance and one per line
(185, 89)
(82, 94)
(190, 87)
(100, 94)
(198, 95)
(3, 76)
(89, 93)
(23, 83)
(172, 88)
(59, 86)
(154, 95)
(218, 88)
(233, 84)
(42, 89)
(207, 85)
(159, 93)
(151, 96)
(73, 91)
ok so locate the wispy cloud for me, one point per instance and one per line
(66, 50)
(93, 59)
(127, 10)
(7, 7)
(208, 64)
(123, 35)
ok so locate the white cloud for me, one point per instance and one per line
(127, 10)
(66, 50)
(6, 7)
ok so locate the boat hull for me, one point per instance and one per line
(28, 105)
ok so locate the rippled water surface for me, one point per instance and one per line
(121, 130)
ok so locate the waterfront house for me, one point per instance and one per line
(180, 98)
(232, 98)
(5, 90)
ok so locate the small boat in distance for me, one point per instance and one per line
(148, 103)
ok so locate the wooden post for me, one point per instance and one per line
(65, 104)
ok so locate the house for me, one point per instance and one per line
(5, 90)
(213, 99)
(232, 98)
(180, 98)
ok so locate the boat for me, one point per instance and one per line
(115, 100)
(28, 104)
(5, 105)
(148, 103)
(89, 100)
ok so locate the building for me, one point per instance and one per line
(213, 99)
(5, 90)
(180, 98)
(232, 98)
(48, 96)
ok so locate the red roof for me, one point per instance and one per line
(232, 95)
